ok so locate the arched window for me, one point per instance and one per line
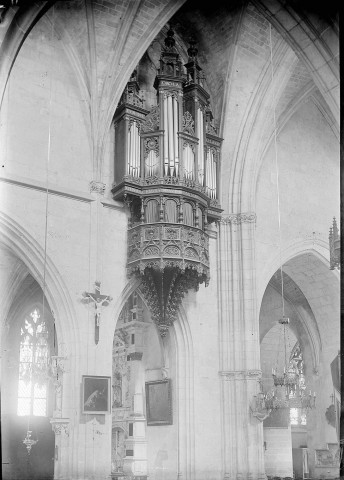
(34, 354)
(297, 415)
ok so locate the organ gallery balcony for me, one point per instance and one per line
(160, 246)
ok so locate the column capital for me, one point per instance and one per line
(230, 375)
(98, 187)
(60, 425)
(238, 218)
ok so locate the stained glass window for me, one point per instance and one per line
(297, 416)
(33, 366)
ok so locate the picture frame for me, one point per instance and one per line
(96, 395)
(159, 403)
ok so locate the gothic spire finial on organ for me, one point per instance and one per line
(192, 50)
(194, 71)
(169, 40)
(170, 63)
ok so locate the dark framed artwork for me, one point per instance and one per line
(159, 402)
(96, 394)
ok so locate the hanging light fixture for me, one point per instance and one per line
(334, 243)
(289, 388)
(29, 442)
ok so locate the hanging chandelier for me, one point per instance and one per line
(289, 390)
(29, 442)
(289, 387)
(334, 243)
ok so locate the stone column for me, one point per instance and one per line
(60, 427)
(242, 436)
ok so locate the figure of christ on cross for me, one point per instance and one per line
(99, 302)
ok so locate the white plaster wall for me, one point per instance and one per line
(278, 453)
(46, 130)
(308, 164)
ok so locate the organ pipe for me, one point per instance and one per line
(201, 147)
(129, 150)
(175, 137)
(165, 137)
(170, 134)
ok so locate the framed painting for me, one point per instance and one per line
(159, 402)
(96, 394)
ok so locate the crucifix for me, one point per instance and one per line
(99, 301)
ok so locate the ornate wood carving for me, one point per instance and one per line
(152, 120)
(188, 125)
(151, 144)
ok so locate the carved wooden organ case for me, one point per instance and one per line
(167, 163)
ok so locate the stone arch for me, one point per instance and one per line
(21, 24)
(303, 323)
(181, 340)
(317, 248)
(306, 263)
(28, 250)
(238, 195)
(306, 39)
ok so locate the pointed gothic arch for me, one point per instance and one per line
(28, 250)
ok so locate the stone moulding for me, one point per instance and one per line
(239, 218)
(230, 375)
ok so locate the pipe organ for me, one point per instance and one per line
(167, 163)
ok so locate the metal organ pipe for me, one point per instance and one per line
(201, 147)
(208, 171)
(132, 160)
(137, 150)
(175, 136)
(129, 150)
(213, 175)
(170, 134)
(165, 137)
(133, 150)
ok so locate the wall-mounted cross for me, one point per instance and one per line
(99, 302)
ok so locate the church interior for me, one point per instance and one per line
(170, 240)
